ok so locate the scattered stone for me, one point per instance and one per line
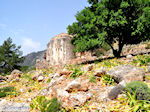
(87, 68)
(100, 72)
(77, 85)
(40, 78)
(54, 75)
(65, 72)
(2, 79)
(56, 80)
(76, 99)
(62, 93)
(6, 106)
(127, 72)
(74, 85)
(37, 75)
(14, 74)
(129, 56)
(115, 91)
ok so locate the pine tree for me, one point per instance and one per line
(10, 56)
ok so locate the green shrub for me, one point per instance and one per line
(142, 60)
(43, 104)
(137, 105)
(5, 91)
(140, 89)
(76, 73)
(108, 80)
(138, 95)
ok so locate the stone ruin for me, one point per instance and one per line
(59, 52)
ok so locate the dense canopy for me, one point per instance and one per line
(113, 22)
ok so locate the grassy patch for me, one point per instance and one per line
(5, 91)
(76, 73)
(108, 80)
(44, 104)
(141, 60)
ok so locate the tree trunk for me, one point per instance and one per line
(117, 52)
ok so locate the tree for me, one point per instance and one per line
(118, 22)
(10, 56)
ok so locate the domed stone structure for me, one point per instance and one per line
(60, 50)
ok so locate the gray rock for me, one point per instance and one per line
(113, 94)
(75, 84)
(56, 80)
(129, 56)
(127, 72)
(6, 106)
(100, 72)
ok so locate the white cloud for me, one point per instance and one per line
(29, 45)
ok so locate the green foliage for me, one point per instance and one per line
(138, 95)
(76, 72)
(43, 104)
(5, 91)
(108, 80)
(137, 105)
(10, 56)
(111, 21)
(142, 60)
(25, 68)
(139, 89)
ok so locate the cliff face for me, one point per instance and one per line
(30, 59)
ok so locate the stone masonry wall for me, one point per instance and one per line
(60, 50)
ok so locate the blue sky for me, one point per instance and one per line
(32, 23)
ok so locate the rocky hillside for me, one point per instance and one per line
(92, 87)
(103, 85)
(30, 59)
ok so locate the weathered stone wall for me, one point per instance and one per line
(60, 50)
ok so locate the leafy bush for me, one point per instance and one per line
(138, 95)
(76, 72)
(108, 80)
(142, 60)
(137, 105)
(140, 89)
(43, 104)
(5, 91)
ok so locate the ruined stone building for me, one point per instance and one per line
(59, 51)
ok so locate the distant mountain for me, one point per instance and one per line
(30, 59)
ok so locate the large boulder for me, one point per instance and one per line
(127, 73)
(123, 74)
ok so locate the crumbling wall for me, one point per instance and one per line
(60, 50)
